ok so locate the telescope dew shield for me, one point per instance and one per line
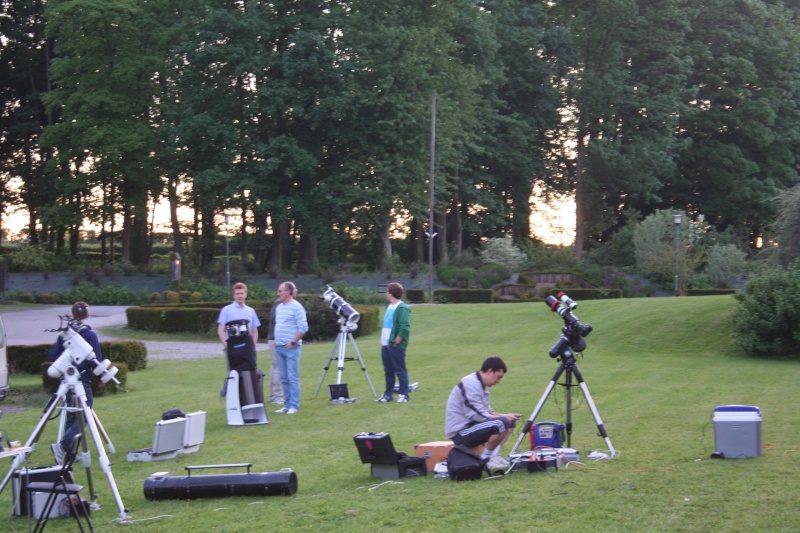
(162, 486)
(340, 306)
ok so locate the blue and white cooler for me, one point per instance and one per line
(737, 431)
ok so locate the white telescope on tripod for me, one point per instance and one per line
(71, 397)
(76, 351)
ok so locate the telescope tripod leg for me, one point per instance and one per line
(334, 351)
(529, 423)
(89, 418)
(16, 464)
(361, 361)
(595, 413)
(106, 438)
(342, 342)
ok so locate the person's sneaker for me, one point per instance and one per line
(383, 399)
(282, 410)
(403, 398)
(58, 453)
(497, 463)
(291, 411)
(278, 401)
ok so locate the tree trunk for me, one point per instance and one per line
(385, 256)
(579, 196)
(243, 239)
(208, 235)
(458, 227)
(32, 233)
(440, 241)
(278, 252)
(172, 197)
(307, 260)
(74, 240)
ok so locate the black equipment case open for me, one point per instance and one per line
(377, 450)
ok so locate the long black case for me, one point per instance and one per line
(161, 486)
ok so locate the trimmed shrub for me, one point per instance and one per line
(105, 294)
(172, 297)
(29, 359)
(49, 298)
(132, 353)
(202, 317)
(767, 318)
(709, 292)
(584, 294)
(455, 276)
(323, 322)
(415, 296)
(491, 274)
(172, 319)
(463, 296)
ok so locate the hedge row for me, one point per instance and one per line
(709, 292)
(172, 319)
(463, 296)
(29, 359)
(202, 317)
(415, 296)
(585, 294)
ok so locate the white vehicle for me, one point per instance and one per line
(3, 363)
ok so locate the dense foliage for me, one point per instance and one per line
(768, 314)
(304, 128)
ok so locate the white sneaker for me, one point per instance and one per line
(282, 410)
(497, 463)
(403, 398)
(58, 453)
(383, 399)
(277, 401)
(291, 411)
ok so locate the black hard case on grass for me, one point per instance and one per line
(377, 450)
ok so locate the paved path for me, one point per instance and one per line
(29, 327)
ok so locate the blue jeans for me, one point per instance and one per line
(289, 367)
(394, 363)
(71, 426)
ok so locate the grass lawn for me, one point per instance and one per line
(656, 369)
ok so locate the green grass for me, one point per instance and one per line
(656, 369)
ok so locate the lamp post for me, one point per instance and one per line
(227, 255)
(431, 233)
(677, 217)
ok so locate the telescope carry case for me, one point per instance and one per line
(161, 486)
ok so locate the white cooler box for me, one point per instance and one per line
(737, 431)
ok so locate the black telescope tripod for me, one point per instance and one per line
(338, 352)
(571, 339)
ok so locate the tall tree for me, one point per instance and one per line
(24, 68)
(521, 119)
(106, 58)
(401, 52)
(624, 100)
(743, 126)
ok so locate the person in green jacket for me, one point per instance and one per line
(394, 342)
